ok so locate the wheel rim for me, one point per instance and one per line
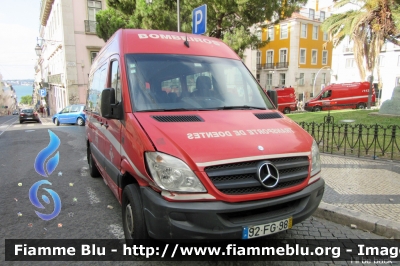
(361, 106)
(56, 121)
(80, 121)
(129, 219)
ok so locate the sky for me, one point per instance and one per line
(19, 27)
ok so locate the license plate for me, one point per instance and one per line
(29, 118)
(266, 229)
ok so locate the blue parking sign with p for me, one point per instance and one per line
(199, 21)
(43, 93)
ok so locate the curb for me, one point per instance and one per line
(373, 224)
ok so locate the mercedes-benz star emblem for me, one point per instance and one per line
(268, 174)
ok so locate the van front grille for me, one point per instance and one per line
(241, 178)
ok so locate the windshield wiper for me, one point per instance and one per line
(241, 107)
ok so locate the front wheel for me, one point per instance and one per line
(57, 122)
(286, 111)
(93, 171)
(132, 214)
(360, 106)
(317, 108)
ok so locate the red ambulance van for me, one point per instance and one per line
(341, 96)
(199, 162)
(287, 101)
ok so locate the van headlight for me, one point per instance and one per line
(172, 174)
(315, 159)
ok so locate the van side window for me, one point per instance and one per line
(327, 94)
(116, 80)
(96, 87)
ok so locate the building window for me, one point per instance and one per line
(314, 57)
(315, 32)
(301, 79)
(311, 14)
(303, 30)
(323, 78)
(312, 78)
(93, 8)
(381, 60)
(324, 57)
(349, 62)
(271, 33)
(283, 55)
(93, 56)
(258, 57)
(302, 56)
(282, 77)
(270, 59)
(284, 31)
(321, 16)
(268, 84)
(259, 34)
(325, 36)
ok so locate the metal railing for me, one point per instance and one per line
(344, 138)
(269, 65)
(282, 65)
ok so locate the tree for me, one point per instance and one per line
(229, 20)
(375, 22)
(27, 99)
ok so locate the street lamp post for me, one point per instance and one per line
(315, 79)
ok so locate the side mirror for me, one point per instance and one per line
(108, 107)
(273, 95)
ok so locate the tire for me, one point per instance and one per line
(21, 122)
(317, 109)
(80, 121)
(286, 111)
(361, 106)
(93, 171)
(57, 122)
(132, 215)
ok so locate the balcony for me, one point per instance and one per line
(55, 79)
(282, 65)
(259, 66)
(90, 26)
(269, 66)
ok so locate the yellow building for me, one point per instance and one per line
(298, 54)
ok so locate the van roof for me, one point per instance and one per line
(168, 42)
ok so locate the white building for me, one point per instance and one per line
(68, 44)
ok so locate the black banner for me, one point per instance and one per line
(354, 250)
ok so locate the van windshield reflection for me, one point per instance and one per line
(180, 83)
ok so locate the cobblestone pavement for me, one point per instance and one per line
(368, 186)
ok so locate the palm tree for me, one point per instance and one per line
(369, 27)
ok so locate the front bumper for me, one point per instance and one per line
(222, 220)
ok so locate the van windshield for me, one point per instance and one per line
(180, 82)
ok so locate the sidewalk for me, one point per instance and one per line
(362, 192)
(46, 120)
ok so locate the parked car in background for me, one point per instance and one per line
(342, 96)
(15, 112)
(28, 115)
(73, 114)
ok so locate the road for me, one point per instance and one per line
(89, 209)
